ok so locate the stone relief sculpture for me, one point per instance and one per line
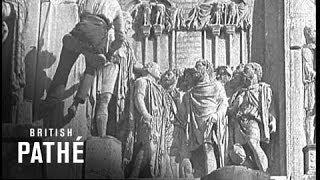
(245, 8)
(116, 78)
(146, 14)
(175, 133)
(223, 74)
(249, 110)
(14, 16)
(309, 74)
(149, 97)
(88, 37)
(232, 13)
(217, 13)
(205, 105)
(198, 18)
(159, 14)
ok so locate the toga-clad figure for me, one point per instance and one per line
(150, 124)
(175, 136)
(309, 77)
(206, 105)
(250, 112)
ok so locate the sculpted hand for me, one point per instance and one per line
(272, 124)
(147, 118)
(125, 162)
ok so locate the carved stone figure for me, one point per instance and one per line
(88, 37)
(245, 8)
(175, 132)
(14, 15)
(309, 75)
(146, 9)
(187, 80)
(232, 13)
(152, 157)
(217, 13)
(223, 74)
(170, 18)
(250, 112)
(205, 105)
(116, 79)
(236, 82)
(159, 16)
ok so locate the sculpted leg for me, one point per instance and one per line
(153, 149)
(82, 93)
(259, 155)
(174, 167)
(68, 57)
(141, 161)
(211, 162)
(102, 113)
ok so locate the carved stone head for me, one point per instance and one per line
(169, 78)
(153, 69)
(205, 70)
(252, 74)
(188, 79)
(310, 34)
(223, 74)
(236, 81)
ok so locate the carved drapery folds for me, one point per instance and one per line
(200, 17)
(14, 46)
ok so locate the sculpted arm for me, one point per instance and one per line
(118, 23)
(309, 72)
(272, 119)
(140, 89)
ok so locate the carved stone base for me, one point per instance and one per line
(237, 173)
(310, 159)
(103, 158)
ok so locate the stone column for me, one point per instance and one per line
(215, 31)
(157, 28)
(204, 44)
(243, 57)
(172, 46)
(146, 34)
(230, 30)
(298, 13)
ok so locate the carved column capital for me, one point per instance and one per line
(215, 29)
(230, 29)
(146, 30)
(157, 28)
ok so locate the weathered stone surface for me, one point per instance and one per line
(103, 158)
(297, 15)
(188, 48)
(236, 173)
